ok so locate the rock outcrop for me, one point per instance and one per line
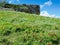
(33, 9)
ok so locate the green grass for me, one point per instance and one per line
(19, 28)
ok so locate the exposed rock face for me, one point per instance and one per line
(34, 9)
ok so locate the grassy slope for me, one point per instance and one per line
(18, 28)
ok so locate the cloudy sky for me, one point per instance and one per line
(49, 8)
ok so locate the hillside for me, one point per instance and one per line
(19, 28)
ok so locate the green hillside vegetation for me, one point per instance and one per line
(2, 3)
(19, 28)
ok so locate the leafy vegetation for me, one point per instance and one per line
(2, 3)
(19, 28)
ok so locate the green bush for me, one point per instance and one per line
(2, 3)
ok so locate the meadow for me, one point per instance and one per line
(19, 28)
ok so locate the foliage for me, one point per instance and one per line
(2, 3)
(18, 28)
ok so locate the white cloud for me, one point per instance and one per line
(45, 13)
(17, 0)
(48, 3)
(41, 6)
(10, 1)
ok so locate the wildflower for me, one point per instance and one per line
(48, 44)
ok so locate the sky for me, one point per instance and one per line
(49, 8)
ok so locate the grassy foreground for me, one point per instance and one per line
(18, 28)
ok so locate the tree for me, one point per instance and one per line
(2, 3)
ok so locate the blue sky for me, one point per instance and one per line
(48, 7)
